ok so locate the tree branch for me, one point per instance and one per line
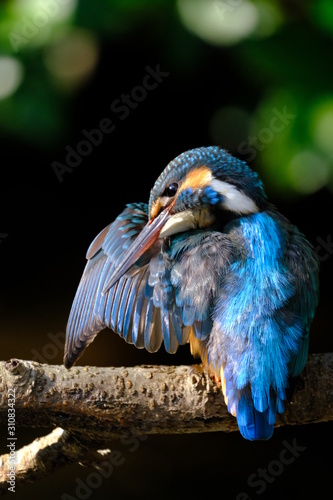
(93, 405)
(46, 454)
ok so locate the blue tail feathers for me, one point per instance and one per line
(254, 424)
(257, 426)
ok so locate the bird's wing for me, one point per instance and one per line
(127, 307)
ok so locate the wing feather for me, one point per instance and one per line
(122, 307)
(153, 324)
(92, 311)
(128, 307)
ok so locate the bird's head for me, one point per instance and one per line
(196, 188)
(202, 184)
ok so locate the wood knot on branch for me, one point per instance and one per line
(21, 375)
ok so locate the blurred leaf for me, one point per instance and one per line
(321, 11)
(298, 53)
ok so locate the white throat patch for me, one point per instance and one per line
(182, 221)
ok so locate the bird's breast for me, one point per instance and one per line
(204, 217)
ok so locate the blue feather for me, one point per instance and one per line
(202, 328)
(253, 424)
(122, 308)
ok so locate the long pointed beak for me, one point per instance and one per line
(140, 245)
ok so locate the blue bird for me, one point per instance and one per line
(211, 262)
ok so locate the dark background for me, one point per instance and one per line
(218, 91)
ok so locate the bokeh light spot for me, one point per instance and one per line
(308, 172)
(219, 22)
(11, 75)
(72, 58)
(322, 127)
(53, 10)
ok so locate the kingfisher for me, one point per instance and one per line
(209, 262)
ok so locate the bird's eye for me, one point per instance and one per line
(171, 190)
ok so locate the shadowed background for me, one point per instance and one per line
(254, 77)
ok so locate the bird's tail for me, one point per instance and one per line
(252, 423)
(255, 414)
(255, 419)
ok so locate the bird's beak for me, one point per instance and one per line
(140, 245)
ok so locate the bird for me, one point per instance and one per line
(211, 262)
